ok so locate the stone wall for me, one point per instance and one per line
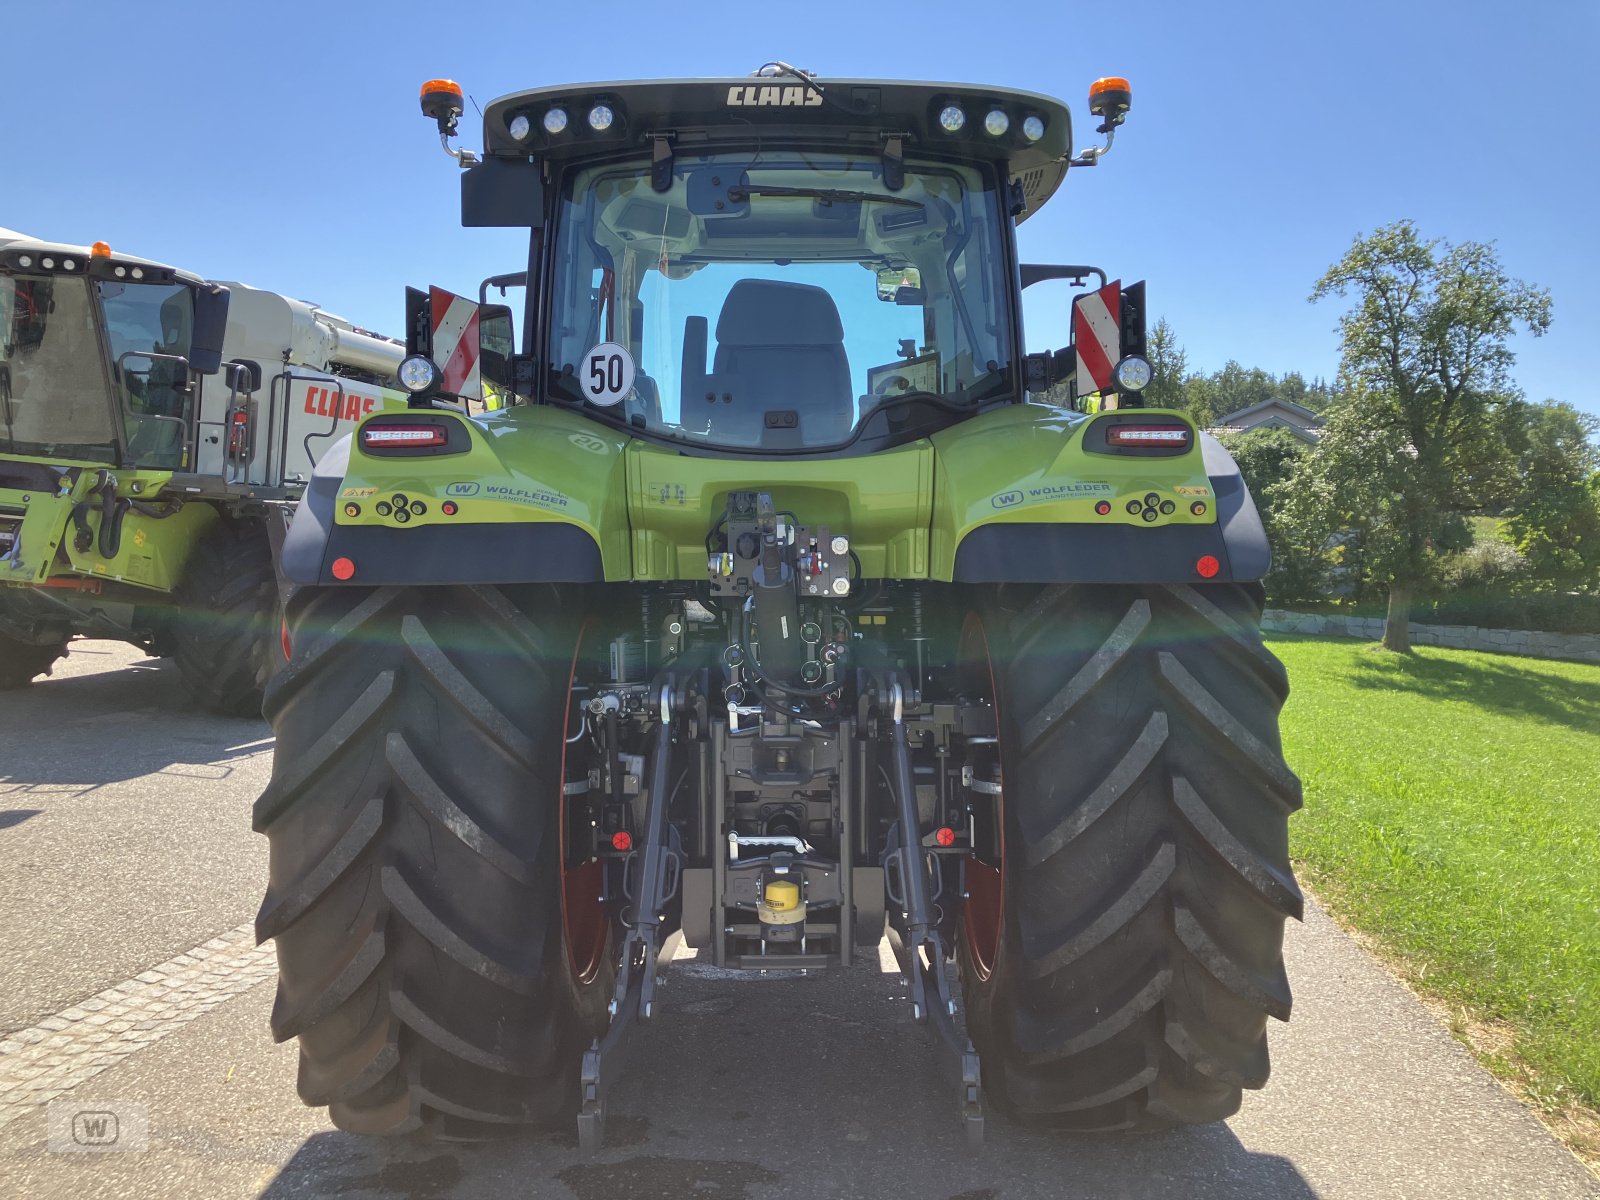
(1579, 647)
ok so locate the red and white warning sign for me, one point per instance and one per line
(454, 321)
(1097, 334)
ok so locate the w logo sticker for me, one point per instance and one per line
(1007, 500)
(461, 489)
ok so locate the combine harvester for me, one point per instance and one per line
(775, 611)
(155, 431)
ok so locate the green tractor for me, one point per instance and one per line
(775, 615)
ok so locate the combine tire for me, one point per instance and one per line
(1121, 959)
(223, 635)
(22, 662)
(415, 889)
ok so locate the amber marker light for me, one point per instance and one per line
(100, 250)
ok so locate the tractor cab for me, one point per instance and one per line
(100, 354)
(775, 264)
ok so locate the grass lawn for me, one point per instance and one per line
(1453, 814)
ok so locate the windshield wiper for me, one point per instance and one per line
(742, 191)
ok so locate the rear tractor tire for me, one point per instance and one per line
(223, 635)
(416, 881)
(1121, 960)
(23, 662)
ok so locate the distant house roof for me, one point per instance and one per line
(1302, 422)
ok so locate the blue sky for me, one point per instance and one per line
(281, 144)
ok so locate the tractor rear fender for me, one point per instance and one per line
(1050, 529)
(471, 518)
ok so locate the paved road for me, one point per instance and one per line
(128, 875)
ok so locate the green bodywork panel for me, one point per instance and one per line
(152, 553)
(649, 507)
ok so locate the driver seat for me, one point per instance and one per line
(780, 346)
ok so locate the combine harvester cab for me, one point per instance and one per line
(155, 431)
(777, 612)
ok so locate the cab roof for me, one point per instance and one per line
(15, 246)
(789, 109)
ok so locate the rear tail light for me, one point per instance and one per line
(1165, 437)
(410, 434)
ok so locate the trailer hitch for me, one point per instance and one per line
(907, 876)
(658, 860)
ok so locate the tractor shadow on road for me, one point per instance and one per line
(68, 735)
(807, 1088)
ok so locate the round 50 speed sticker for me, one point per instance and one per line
(606, 374)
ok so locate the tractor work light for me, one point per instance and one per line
(601, 118)
(951, 118)
(1132, 374)
(1033, 128)
(996, 123)
(555, 121)
(417, 374)
(1161, 437)
(520, 127)
(408, 434)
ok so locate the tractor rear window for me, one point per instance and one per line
(774, 300)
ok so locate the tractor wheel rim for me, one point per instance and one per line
(983, 911)
(584, 922)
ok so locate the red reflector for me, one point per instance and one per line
(945, 836)
(448, 508)
(1207, 566)
(343, 568)
(1147, 435)
(409, 434)
(287, 653)
(622, 840)
(1103, 508)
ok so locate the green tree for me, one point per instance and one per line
(1268, 458)
(1555, 516)
(1425, 435)
(1167, 365)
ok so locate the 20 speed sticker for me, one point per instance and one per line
(606, 375)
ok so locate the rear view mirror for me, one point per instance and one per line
(210, 324)
(496, 344)
(900, 285)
